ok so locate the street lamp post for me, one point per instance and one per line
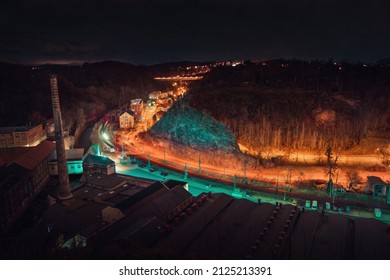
(334, 195)
(199, 164)
(164, 153)
(244, 180)
(185, 172)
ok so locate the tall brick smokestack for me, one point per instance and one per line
(63, 177)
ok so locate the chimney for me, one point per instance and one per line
(63, 177)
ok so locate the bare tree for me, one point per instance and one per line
(353, 178)
(384, 154)
(318, 158)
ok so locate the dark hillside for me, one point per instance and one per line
(86, 91)
(294, 104)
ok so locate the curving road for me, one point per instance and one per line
(156, 156)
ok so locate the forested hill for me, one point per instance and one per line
(185, 125)
(295, 104)
(85, 90)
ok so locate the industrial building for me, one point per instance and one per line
(137, 106)
(74, 161)
(111, 206)
(121, 217)
(21, 136)
(23, 175)
(98, 164)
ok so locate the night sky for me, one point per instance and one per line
(154, 31)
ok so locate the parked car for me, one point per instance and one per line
(314, 205)
(378, 212)
(307, 204)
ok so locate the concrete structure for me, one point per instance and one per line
(63, 177)
(21, 179)
(126, 120)
(21, 136)
(74, 161)
(137, 106)
(98, 164)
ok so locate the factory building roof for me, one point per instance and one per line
(136, 101)
(211, 226)
(98, 160)
(10, 129)
(71, 154)
(29, 158)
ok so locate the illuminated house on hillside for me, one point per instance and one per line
(21, 179)
(137, 106)
(126, 120)
(154, 95)
(21, 136)
(159, 95)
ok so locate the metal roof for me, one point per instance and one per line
(98, 160)
(35, 155)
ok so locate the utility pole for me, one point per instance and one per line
(185, 172)
(123, 151)
(199, 163)
(164, 153)
(334, 195)
(289, 176)
(244, 180)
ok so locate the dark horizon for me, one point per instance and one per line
(385, 60)
(153, 32)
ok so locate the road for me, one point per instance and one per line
(301, 164)
(199, 184)
(156, 155)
